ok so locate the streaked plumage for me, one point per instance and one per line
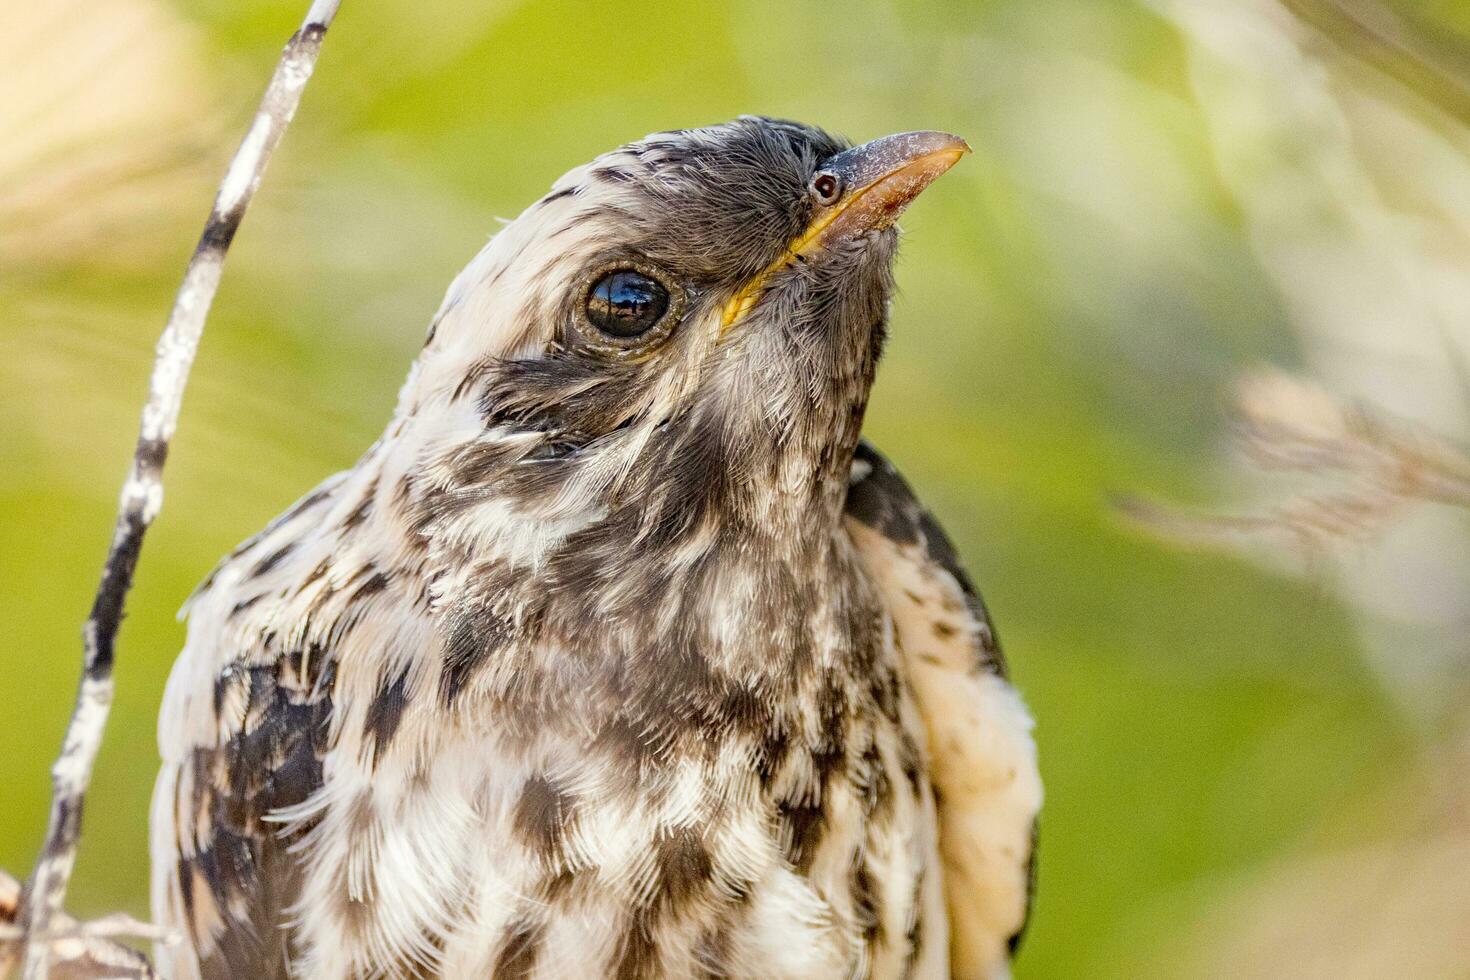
(614, 658)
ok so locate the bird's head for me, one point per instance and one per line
(681, 333)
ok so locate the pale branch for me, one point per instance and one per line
(44, 927)
(79, 951)
(9, 931)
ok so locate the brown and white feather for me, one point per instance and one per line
(599, 668)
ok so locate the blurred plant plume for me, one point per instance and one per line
(106, 105)
(1368, 472)
(1341, 132)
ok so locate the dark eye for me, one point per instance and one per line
(826, 187)
(625, 303)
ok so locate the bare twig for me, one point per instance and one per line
(79, 951)
(9, 909)
(42, 921)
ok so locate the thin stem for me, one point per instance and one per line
(142, 493)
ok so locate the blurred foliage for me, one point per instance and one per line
(1076, 297)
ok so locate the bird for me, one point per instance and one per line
(620, 653)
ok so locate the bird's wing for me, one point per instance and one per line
(982, 761)
(242, 732)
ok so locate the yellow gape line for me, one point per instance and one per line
(883, 195)
(742, 301)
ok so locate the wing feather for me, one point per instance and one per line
(982, 760)
(242, 731)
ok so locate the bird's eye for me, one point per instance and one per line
(826, 187)
(626, 308)
(625, 304)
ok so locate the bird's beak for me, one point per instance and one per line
(878, 180)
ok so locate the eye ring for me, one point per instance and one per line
(633, 345)
(826, 187)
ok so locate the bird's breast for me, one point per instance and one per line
(672, 815)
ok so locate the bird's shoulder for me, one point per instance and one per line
(250, 712)
(982, 760)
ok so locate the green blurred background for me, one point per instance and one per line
(1250, 771)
